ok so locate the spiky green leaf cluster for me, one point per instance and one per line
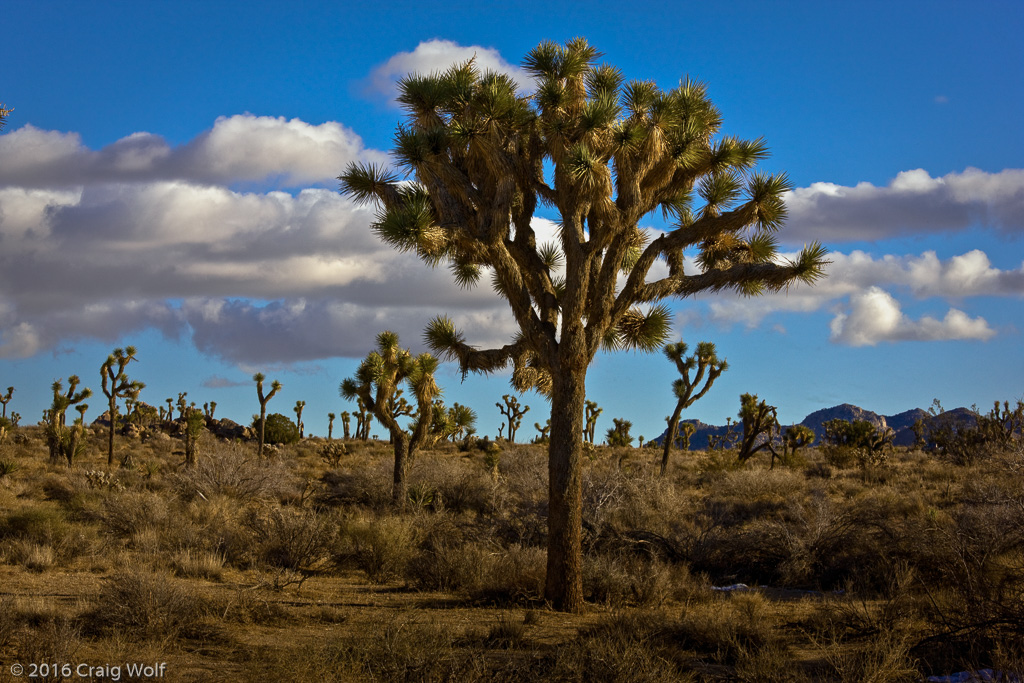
(479, 158)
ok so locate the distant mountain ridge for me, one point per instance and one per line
(900, 423)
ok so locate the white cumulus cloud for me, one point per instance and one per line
(241, 148)
(914, 202)
(875, 316)
(434, 56)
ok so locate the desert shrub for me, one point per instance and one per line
(622, 648)
(277, 430)
(8, 467)
(623, 580)
(54, 641)
(126, 512)
(332, 452)
(35, 557)
(202, 564)
(448, 559)
(142, 605)
(515, 576)
(381, 547)
(44, 525)
(230, 470)
(286, 538)
(507, 633)
(406, 651)
(368, 486)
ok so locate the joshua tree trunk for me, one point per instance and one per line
(564, 585)
(112, 414)
(263, 424)
(400, 487)
(670, 436)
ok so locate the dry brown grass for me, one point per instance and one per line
(295, 568)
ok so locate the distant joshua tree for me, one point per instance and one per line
(451, 423)
(299, 405)
(795, 438)
(760, 425)
(5, 399)
(513, 412)
(346, 421)
(275, 386)
(330, 425)
(195, 421)
(363, 418)
(544, 435)
(592, 413)
(708, 367)
(376, 383)
(619, 434)
(117, 385)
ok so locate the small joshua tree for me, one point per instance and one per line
(794, 438)
(346, 421)
(299, 405)
(117, 385)
(760, 424)
(59, 439)
(330, 425)
(708, 368)
(275, 386)
(545, 432)
(683, 434)
(5, 399)
(209, 409)
(195, 422)
(182, 404)
(376, 382)
(592, 413)
(513, 412)
(619, 434)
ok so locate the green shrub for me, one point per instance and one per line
(278, 429)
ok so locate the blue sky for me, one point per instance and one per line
(167, 180)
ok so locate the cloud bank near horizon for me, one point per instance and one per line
(98, 244)
(912, 203)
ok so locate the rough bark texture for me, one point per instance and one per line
(400, 485)
(670, 436)
(564, 582)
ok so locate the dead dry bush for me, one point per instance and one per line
(515, 576)
(628, 580)
(51, 644)
(142, 605)
(449, 556)
(367, 486)
(126, 512)
(233, 470)
(289, 539)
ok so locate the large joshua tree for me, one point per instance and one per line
(115, 385)
(605, 154)
(708, 368)
(377, 381)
